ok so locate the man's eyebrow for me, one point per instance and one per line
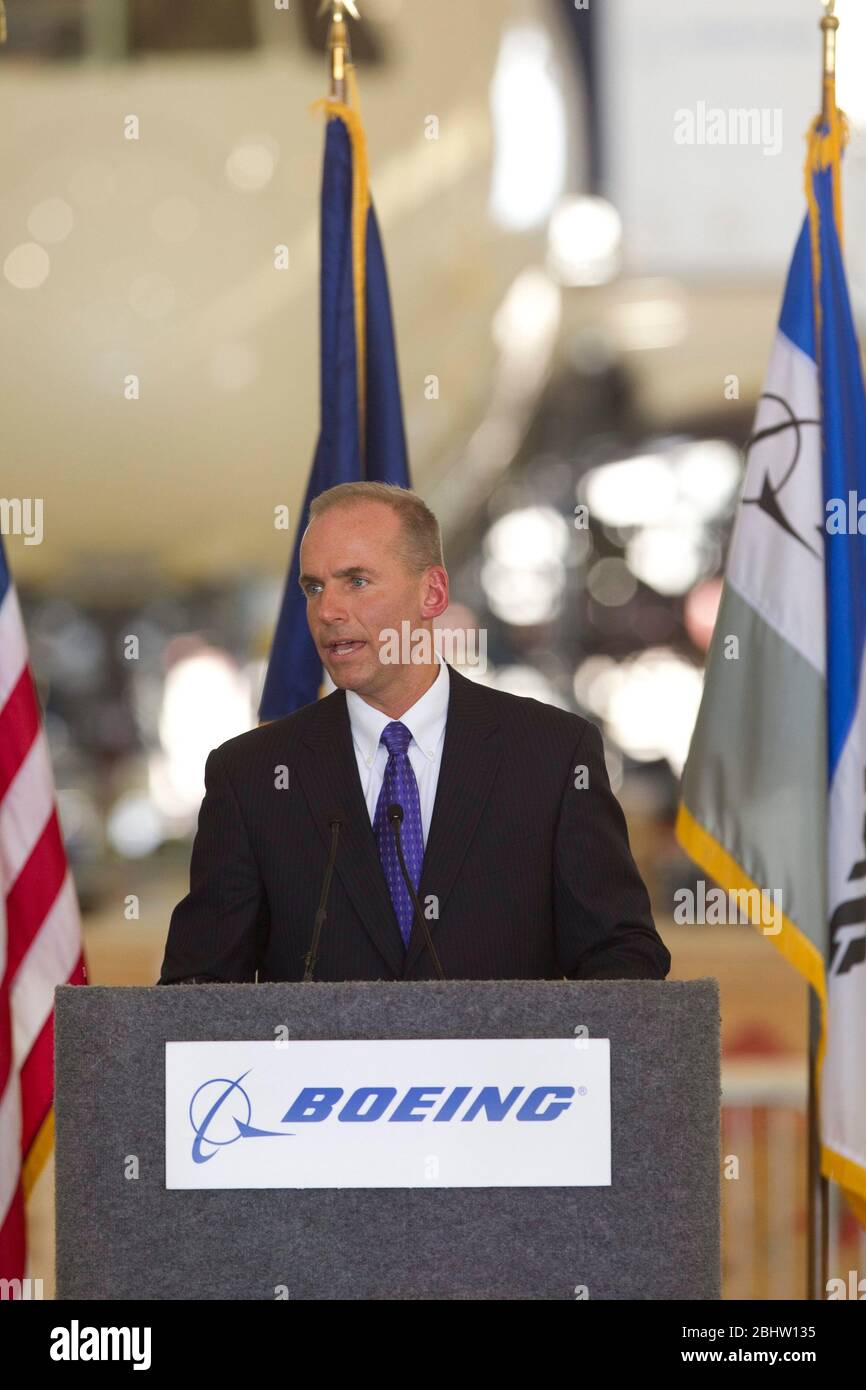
(348, 573)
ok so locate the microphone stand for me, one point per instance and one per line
(395, 818)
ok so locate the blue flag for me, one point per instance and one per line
(774, 791)
(361, 433)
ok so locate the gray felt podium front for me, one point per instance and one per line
(653, 1233)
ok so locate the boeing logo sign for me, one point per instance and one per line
(405, 1113)
(366, 1105)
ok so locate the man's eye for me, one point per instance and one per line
(358, 579)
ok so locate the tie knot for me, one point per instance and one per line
(396, 737)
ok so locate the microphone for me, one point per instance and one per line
(335, 820)
(395, 818)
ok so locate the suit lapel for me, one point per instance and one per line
(470, 757)
(328, 772)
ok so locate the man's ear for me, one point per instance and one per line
(435, 599)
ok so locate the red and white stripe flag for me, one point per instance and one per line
(40, 933)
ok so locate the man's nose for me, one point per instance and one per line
(332, 608)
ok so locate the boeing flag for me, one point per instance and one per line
(361, 433)
(774, 791)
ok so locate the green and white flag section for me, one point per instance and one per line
(774, 789)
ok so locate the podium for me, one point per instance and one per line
(653, 1232)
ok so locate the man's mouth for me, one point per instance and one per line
(344, 647)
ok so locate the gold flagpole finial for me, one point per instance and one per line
(338, 43)
(829, 25)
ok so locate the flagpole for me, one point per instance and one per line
(829, 25)
(818, 1194)
(818, 1223)
(339, 49)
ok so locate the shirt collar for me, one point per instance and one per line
(425, 720)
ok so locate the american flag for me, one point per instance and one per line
(40, 933)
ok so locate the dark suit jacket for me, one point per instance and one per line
(534, 876)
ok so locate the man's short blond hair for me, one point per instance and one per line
(421, 536)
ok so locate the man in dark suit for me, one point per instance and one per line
(516, 846)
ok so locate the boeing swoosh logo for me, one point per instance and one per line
(225, 1099)
(768, 500)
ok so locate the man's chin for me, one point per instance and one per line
(344, 681)
(349, 676)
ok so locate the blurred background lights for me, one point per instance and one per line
(27, 266)
(528, 536)
(585, 240)
(708, 473)
(527, 681)
(523, 575)
(51, 220)
(658, 506)
(206, 699)
(632, 492)
(528, 316)
(651, 706)
(649, 315)
(134, 826)
(529, 130)
(611, 582)
(250, 165)
(524, 597)
(594, 681)
(667, 558)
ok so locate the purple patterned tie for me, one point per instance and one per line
(399, 785)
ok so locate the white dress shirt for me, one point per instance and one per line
(425, 721)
